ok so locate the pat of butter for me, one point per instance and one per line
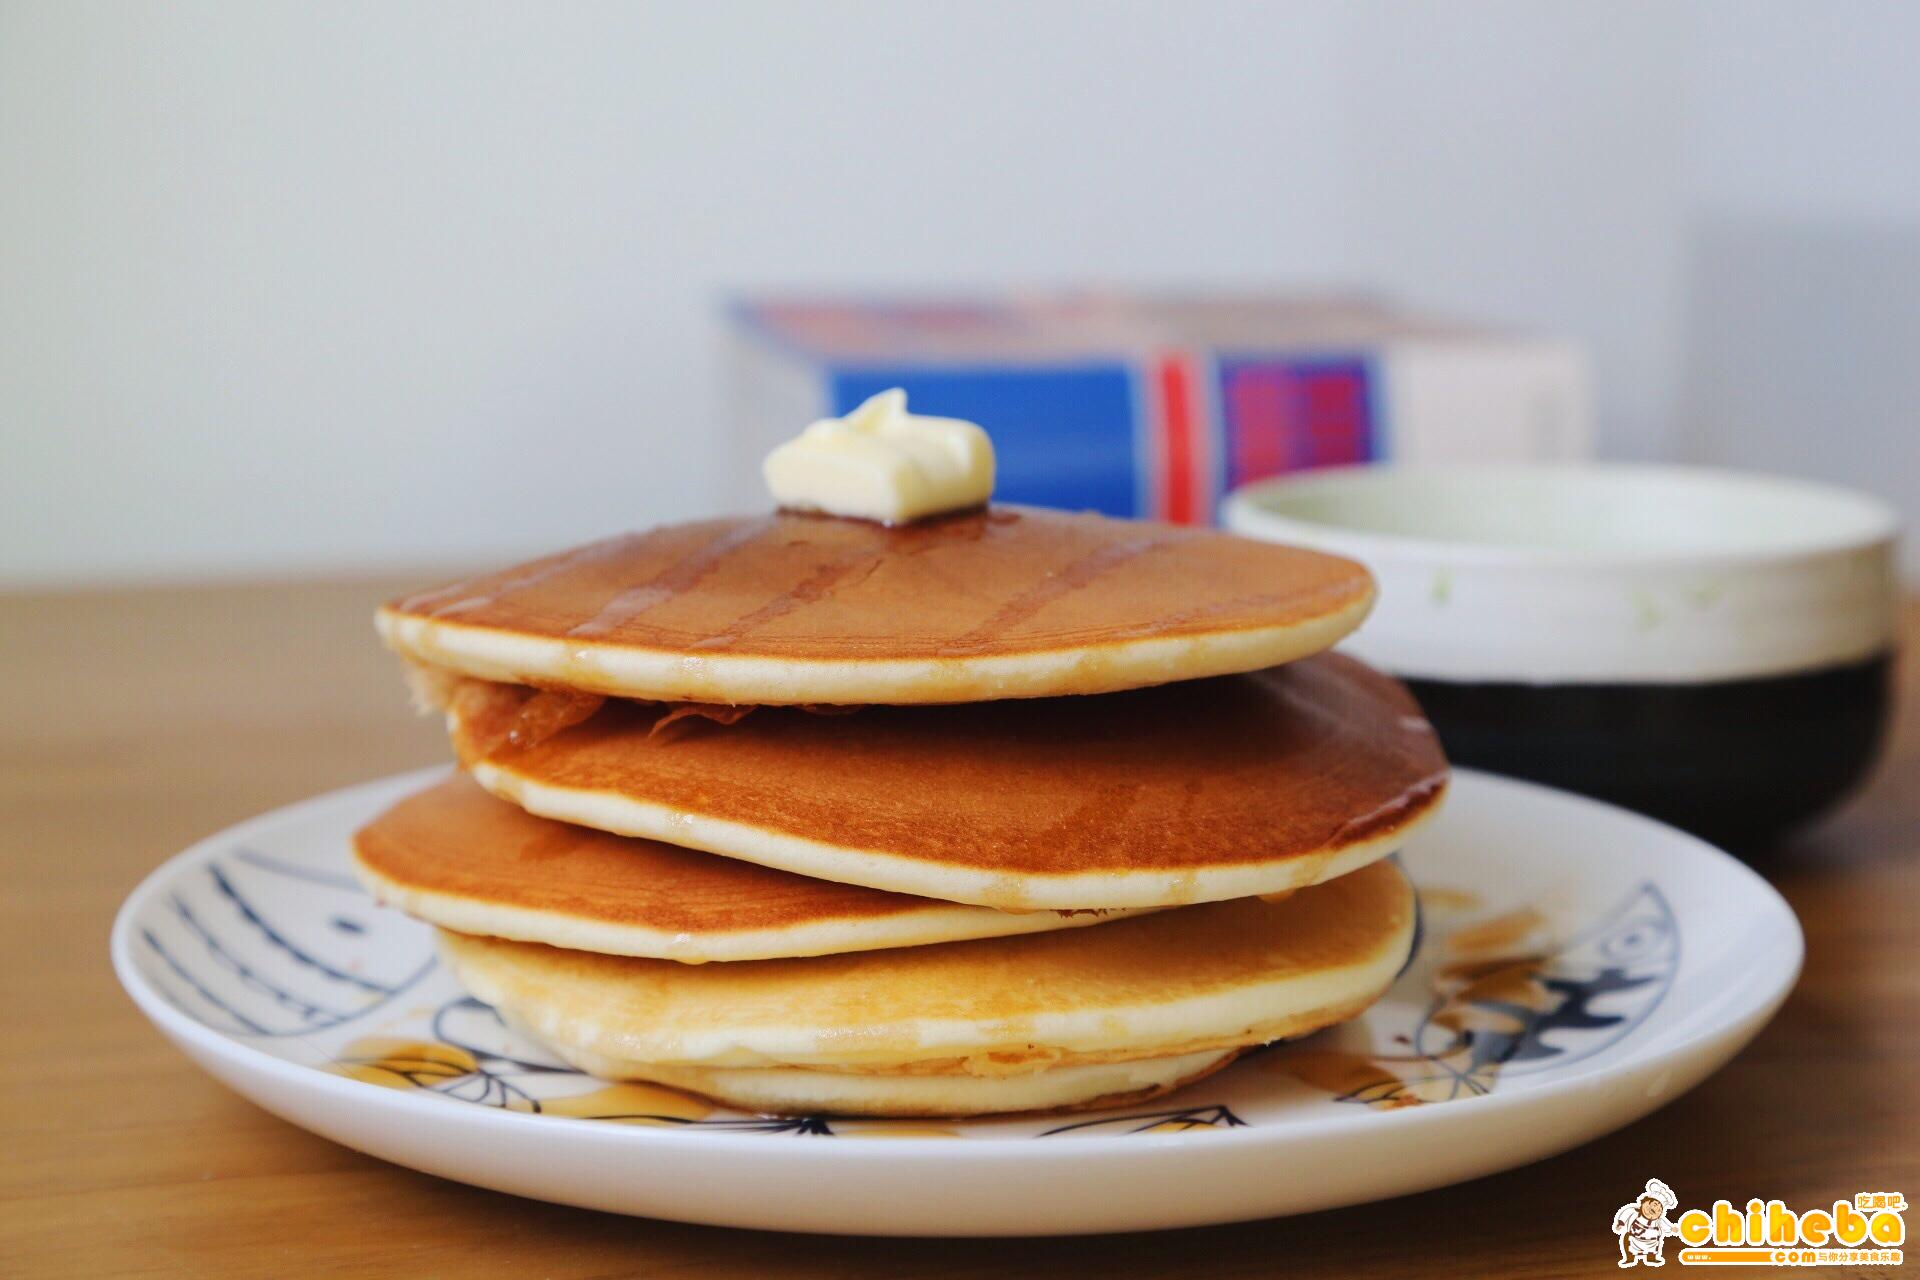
(882, 463)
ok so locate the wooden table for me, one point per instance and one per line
(132, 723)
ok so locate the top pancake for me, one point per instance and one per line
(1011, 602)
(1193, 792)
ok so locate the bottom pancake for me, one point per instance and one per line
(795, 1091)
(1037, 1022)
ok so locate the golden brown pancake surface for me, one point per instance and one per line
(1217, 976)
(794, 608)
(1180, 793)
(457, 856)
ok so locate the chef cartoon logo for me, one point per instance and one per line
(1643, 1227)
(1867, 1230)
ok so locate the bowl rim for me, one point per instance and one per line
(1250, 510)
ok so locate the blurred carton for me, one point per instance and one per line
(1158, 406)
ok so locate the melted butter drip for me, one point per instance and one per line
(631, 1103)
(1502, 933)
(537, 573)
(1386, 1083)
(815, 587)
(675, 580)
(394, 1063)
(896, 1129)
(1382, 815)
(1480, 995)
(1443, 899)
(1054, 586)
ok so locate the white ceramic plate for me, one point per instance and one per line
(1577, 967)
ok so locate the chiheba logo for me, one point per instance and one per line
(1867, 1230)
(1643, 1227)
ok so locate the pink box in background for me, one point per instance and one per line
(1157, 405)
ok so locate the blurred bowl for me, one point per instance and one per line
(1711, 648)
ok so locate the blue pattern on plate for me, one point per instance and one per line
(223, 960)
(322, 957)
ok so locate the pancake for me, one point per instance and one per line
(798, 1091)
(456, 857)
(1186, 793)
(1206, 979)
(790, 608)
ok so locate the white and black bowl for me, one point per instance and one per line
(1708, 647)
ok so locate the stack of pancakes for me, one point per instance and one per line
(1006, 810)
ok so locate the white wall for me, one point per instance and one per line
(1519, 159)
(291, 286)
(1802, 280)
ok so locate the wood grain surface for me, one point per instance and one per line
(132, 723)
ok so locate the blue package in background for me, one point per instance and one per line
(1062, 436)
(1158, 406)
